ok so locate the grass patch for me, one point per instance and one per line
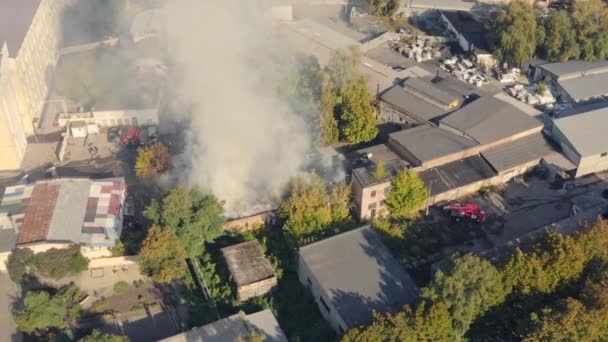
(121, 287)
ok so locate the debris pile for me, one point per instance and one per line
(532, 95)
(464, 70)
(417, 48)
(507, 76)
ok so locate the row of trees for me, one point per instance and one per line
(581, 32)
(340, 94)
(555, 292)
(54, 263)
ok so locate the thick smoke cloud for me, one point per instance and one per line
(244, 142)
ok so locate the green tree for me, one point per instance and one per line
(152, 160)
(517, 33)
(196, 217)
(162, 255)
(43, 311)
(407, 195)
(342, 67)
(428, 322)
(591, 22)
(18, 263)
(98, 336)
(357, 115)
(379, 172)
(469, 286)
(560, 42)
(383, 7)
(310, 210)
(57, 263)
(330, 100)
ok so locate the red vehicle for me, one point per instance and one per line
(131, 136)
(461, 206)
(465, 212)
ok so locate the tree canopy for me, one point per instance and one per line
(98, 336)
(54, 263)
(560, 42)
(383, 7)
(468, 286)
(162, 255)
(407, 195)
(152, 160)
(357, 115)
(516, 32)
(196, 217)
(311, 210)
(43, 311)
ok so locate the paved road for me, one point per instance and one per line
(8, 291)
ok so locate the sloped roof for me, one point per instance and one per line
(586, 132)
(489, 119)
(358, 275)
(407, 102)
(247, 263)
(234, 327)
(587, 86)
(575, 68)
(429, 92)
(427, 143)
(518, 152)
(16, 16)
(67, 209)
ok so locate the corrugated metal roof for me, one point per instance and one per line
(489, 119)
(587, 132)
(358, 275)
(38, 214)
(456, 174)
(519, 152)
(574, 68)
(410, 103)
(427, 143)
(69, 207)
(587, 86)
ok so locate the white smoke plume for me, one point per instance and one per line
(244, 143)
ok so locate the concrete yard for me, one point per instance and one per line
(8, 330)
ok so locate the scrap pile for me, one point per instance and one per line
(464, 70)
(507, 75)
(417, 48)
(532, 94)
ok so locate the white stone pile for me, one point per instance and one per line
(529, 94)
(464, 70)
(423, 49)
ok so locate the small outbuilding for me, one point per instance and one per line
(250, 270)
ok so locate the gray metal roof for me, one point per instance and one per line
(410, 103)
(489, 119)
(574, 68)
(427, 143)
(234, 327)
(15, 19)
(586, 86)
(365, 174)
(429, 92)
(586, 132)
(70, 206)
(358, 275)
(456, 174)
(521, 151)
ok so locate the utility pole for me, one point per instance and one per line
(428, 200)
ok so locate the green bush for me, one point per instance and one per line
(58, 263)
(121, 287)
(18, 263)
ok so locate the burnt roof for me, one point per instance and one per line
(16, 16)
(247, 263)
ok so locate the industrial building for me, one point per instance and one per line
(574, 81)
(30, 40)
(583, 141)
(60, 212)
(486, 142)
(470, 34)
(353, 274)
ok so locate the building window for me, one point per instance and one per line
(604, 154)
(371, 206)
(386, 190)
(373, 193)
(324, 304)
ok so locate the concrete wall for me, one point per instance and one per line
(39, 247)
(310, 282)
(592, 164)
(95, 252)
(256, 289)
(3, 261)
(126, 117)
(366, 205)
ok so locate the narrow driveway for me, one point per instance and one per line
(9, 292)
